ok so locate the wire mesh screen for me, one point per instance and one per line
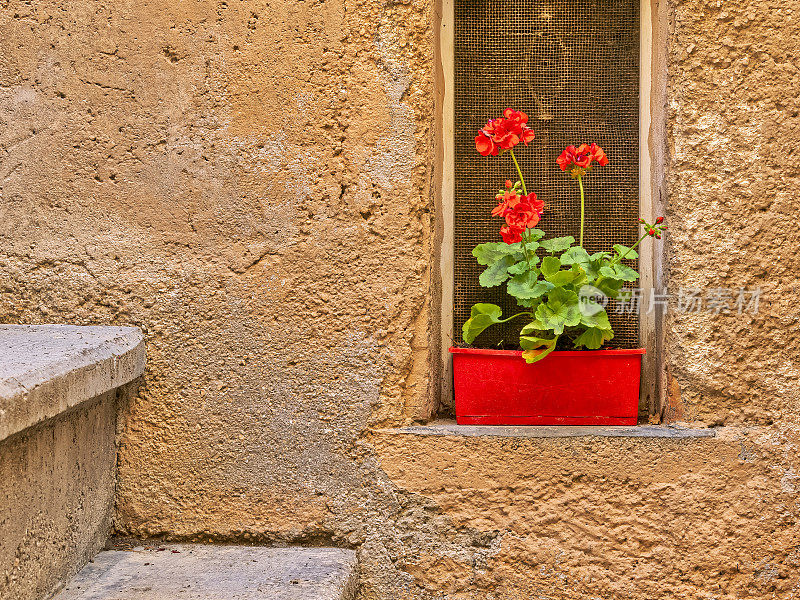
(573, 67)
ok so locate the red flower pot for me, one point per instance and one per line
(581, 387)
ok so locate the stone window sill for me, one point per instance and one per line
(450, 428)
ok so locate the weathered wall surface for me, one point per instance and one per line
(57, 483)
(252, 184)
(734, 133)
(582, 519)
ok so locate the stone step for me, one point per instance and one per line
(203, 572)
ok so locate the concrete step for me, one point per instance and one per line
(201, 572)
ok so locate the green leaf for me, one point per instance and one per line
(524, 266)
(557, 244)
(610, 287)
(517, 268)
(536, 348)
(609, 272)
(596, 260)
(592, 300)
(625, 273)
(597, 320)
(532, 328)
(593, 338)
(529, 303)
(520, 267)
(578, 275)
(591, 271)
(481, 317)
(536, 234)
(527, 286)
(496, 273)
(575, 255)
(550, 266)
(491, 252)
(562, 278)
(620, 272)
(484, 308)
(561, 310)
(622, 250)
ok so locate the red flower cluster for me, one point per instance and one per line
(582, 156)
(504, 133)
(656, 229)
(520, 212)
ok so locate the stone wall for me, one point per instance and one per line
(57, 483)
(62, 391)
(254, 185)
(588, 518)
(734, 128)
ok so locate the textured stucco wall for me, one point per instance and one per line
(734, 176)
(57, 482)
(252, 184)
(609, 518)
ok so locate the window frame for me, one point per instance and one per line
(652, 195)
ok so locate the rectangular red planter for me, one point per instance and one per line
(581, 387)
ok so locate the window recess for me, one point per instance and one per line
(573, 67)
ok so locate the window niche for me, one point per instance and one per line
(573, 67)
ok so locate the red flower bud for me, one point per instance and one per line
(641, 221)
(659, 220)
(651, 232)
(508, 183)
(658, 236)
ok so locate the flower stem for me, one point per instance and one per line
(622, 257)
(524, 191)
(580, 184)
(525, 239)
(519, 172)
(529, 314)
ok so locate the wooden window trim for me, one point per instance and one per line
(652, 194)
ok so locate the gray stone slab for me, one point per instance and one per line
(200, 572)
(450, 428)
(46, 369)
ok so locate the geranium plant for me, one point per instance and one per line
(561, 288)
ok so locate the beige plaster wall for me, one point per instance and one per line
(57, 482)
(252, 183)
(733, 134)
(610, 518)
